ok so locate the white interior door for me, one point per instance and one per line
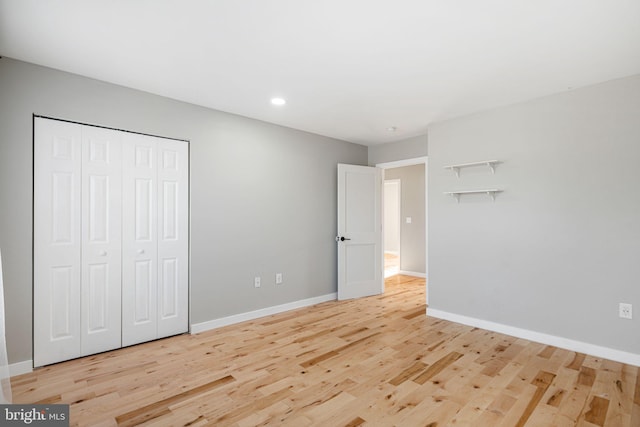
(101, 239)
(359, 231)
(173, 237)
(57, 241)
(139, 239)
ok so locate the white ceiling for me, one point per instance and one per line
(348, 69)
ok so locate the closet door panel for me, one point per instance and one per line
(139, 240)
(101, 239)
(173, 244)
(57, 241)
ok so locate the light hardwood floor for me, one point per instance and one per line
(374, 361)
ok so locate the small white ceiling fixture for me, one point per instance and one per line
(278, 101)
(392, 128)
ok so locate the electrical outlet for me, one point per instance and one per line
(626, 311)
(278, 278)
(256, 282)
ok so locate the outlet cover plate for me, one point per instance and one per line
(626, 311)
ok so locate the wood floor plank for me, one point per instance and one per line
(597, 411)
(577, 361)
(587, 376)
(542, 381)
(357, 421)
(372, 361)
(160, 408)
(407, 373)
(437, 367)
(547, 352)
(556, 398)
(494, 413)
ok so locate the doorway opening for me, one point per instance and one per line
(391, 226)
(412, 217)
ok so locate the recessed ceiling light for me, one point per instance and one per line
(392, 128)
(278, 101)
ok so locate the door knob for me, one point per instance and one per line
(341, 238)
(103, 253)
(140, 251)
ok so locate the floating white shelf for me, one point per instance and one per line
(490, 163)
(490, 192)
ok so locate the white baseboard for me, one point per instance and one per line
(412, 273)
(251, 315)
(568, 344)
(20, 368)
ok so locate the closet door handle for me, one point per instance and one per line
(103, 253)
(140, 251)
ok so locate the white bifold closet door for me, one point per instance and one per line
(154, 243)
(101, 233)
(110, 239)
(57, 236)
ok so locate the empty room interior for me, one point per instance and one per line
(321, 213)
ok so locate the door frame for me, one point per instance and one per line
(411, 162)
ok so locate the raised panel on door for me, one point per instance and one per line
(56, 241)
(101, 239)
(173, 240)
(139, 239)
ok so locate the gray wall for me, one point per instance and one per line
(410, 148)
(560, 248)
(263, 197)
(412, 204)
